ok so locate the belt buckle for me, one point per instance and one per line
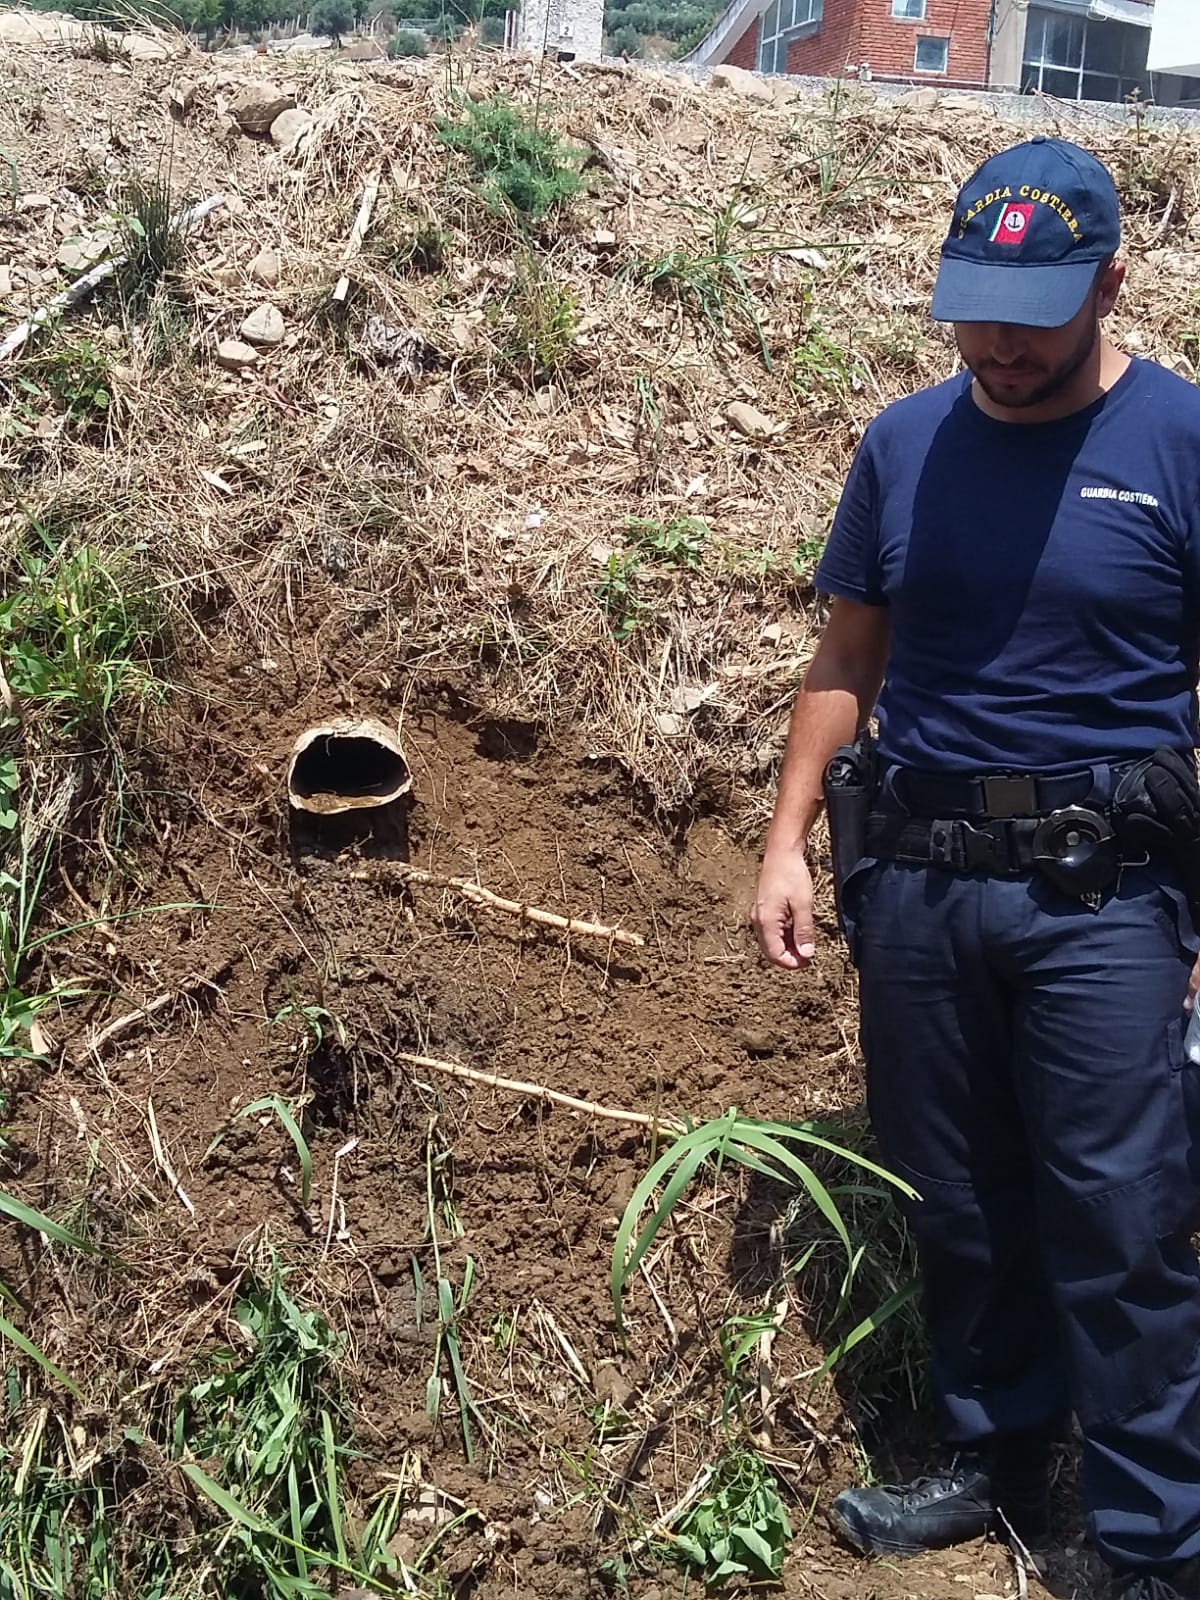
(1007, 794)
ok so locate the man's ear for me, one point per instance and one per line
(1108, 285)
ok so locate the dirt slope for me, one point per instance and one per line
(416, 505)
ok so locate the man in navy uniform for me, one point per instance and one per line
(1015, 578)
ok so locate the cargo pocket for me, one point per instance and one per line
(1180, 1204)
(856, 899)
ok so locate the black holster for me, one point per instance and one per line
(1157, 808)
(849, 784)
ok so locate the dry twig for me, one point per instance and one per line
(537, 1091)
(484, 897)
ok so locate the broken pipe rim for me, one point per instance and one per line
(327, 802)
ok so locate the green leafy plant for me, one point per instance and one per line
(333, 18)
(618, 595)
(74, 377)
(673, 544)
(817, 367)
(740, 1527)
(449, 1307)
(709, 281)
(521, 168)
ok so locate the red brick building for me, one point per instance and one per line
(941, 41)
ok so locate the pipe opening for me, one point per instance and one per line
(347, 766)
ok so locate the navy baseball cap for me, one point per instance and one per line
(1030, 230)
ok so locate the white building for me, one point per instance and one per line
(572, 30)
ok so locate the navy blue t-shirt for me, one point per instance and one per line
(1043, 580)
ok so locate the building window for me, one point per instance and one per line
(781, 22)
(931, 55)
(1074, 58)
(909, 10)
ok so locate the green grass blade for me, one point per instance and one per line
(865, 1328)
(20, 1212)
(807, 1133)
(332, 1490)
(749, 1134)
(15, 1336)
(686, 1155)
(224, 1501)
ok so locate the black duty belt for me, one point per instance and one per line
(1002, 847)
(995, 795)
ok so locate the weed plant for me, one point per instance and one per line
(521, 169)
(73, 378)
(148, 238)
(82, 633)
(535, 324)
(677, 545)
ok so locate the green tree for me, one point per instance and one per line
(408, 42)
(333, 18)
(625, 41)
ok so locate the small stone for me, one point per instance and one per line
(35, 202)
(755, 1042)
(288, 126)
(264, 326)
(179, 97)
(689, 697)
(6, 286)
(772, 634)
(749, 422)
(264, 268)
(661, 102)
(233, 355)
(919, 100)
(256, 107)
(740, 82)
(604, 239)
(667, 724)
(77, 255)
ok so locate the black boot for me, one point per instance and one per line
(954, 1506)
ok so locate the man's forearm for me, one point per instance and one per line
(835, 701)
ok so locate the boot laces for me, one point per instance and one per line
(1151, 1588)
(921, 1490)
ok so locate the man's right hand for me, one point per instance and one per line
(783, 909)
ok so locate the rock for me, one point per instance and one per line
(604, 240)
(661, 102)
(749, 422)
(77, 255)
(264, 268)
(35, 202)
(667, 724)
(233, 355)
(772, 634)
(6, 284)
(258, 105)
(288, 126)
(919, 100)
(264, 326)
(179, 97)
(388, 344)
(964, 103)
(740, 82)
(755, 1041)
(689, 697)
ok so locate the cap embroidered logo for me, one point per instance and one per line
(1012, 225)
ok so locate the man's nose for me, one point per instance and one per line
(1008, 343)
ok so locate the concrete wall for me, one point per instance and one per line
(1008, 43)
(571, 26)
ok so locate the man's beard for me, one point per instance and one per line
(1053, 383)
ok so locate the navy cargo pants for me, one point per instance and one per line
(1026, 1075)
